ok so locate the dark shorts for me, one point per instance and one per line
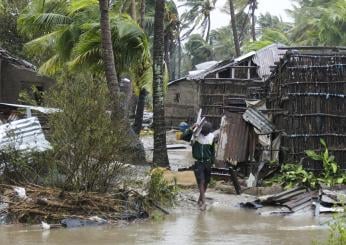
(202, 172)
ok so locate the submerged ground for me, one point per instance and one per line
(224, 222)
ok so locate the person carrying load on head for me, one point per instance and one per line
(203, 151)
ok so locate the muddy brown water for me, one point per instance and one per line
(215, 226)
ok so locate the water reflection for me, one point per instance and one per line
(190, 226)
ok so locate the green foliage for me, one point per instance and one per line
(87, 149)
(294, 174)
(337, 232)
(24, 166)
(160, 190)
(332, 173)
(222, 43)
(31, 97)
(198, 50)
(254, 46)
(319, 22)
(66, 35)
(10, 38)
(197, 15)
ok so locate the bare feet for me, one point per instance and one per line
(203, 207)
(199, 202)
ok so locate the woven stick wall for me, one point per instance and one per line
(311, 89)
(219, 96)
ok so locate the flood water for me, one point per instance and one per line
(215, 226)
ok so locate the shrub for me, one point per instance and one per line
(87, 148)
(160, 190)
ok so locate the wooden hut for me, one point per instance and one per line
(309, 85)
(222, 88)
(18, 75)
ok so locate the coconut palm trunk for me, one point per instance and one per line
(167, 56)
(118, 115)
(137, 126)
(109, 63)
(133, 10)
(160, 157)
(207, 39)
(142, 12)
(253, 7)
(234, 29)
(179, 55)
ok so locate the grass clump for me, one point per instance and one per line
(160, 190)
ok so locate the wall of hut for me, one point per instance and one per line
(15, 78)
(310, 88)
(226, 91)
(182, 103)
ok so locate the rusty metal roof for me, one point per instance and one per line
(259, 121)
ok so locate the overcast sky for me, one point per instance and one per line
(274, 7)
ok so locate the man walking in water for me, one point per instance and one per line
(203, 151)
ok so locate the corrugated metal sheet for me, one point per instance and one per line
(233, 144)
(25, 135)
(258, 120)
(45, 110)
(266, 57)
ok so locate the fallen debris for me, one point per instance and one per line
(294, 199)
(54, 205)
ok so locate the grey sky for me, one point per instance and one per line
(274, 7)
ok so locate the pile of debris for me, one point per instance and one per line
(302, 199)
(35, 204)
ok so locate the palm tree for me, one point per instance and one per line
(234, 29)
(171, 36)
(253, 6)
(198, 13)
(319, 22)
(160, 156)
(70, 35)
(222, 43)
(137, 125)
(198, 50)
(109, 63)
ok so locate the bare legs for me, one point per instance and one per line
(202, 186)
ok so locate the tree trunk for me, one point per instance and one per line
(137, 126)
(234, 29)
(253, 19)
(160, 157)
(109, 63)
(173, 59)
(208, 30)
(166, 55)
(143, 5)
(133, 10)
(132, 145)
(179, 55)
(139, 110)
